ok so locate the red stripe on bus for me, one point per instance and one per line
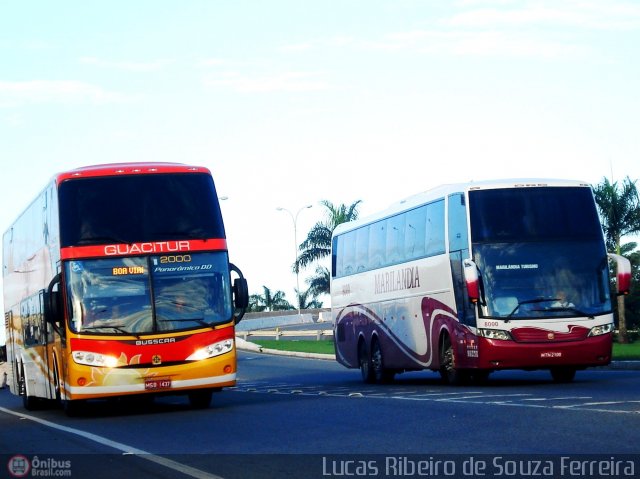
(133, 249)
(141, 351)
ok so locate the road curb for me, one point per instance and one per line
(255, 348)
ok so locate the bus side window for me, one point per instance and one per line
(415, 233)
(458, 238)
(395, 239)
(336, 257)
(377, 240)
(362, 248)
(348, 253)
(435, 228)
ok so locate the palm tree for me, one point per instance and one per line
(317, 245)
(320, 282)
(619, 208)
(632, 301)
(307, 300)
(269, 301)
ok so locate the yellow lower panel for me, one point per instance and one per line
(86, 382)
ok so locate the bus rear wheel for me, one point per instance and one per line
(381, 375)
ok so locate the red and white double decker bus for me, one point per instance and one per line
(471, 278)
(117, 282)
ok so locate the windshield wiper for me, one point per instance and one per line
(118, 328)
(200, 321)
(557, 309)
(528, 301)
(551, 309)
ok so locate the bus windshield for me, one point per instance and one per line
(540, 253)
(149, 294)
(139, 208)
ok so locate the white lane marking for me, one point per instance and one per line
(124, 448)
(564, 398)
(483, 396)
(471, 397)
(601, 403)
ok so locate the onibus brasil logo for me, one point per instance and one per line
(21, 466)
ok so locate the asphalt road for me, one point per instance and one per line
(291, 417)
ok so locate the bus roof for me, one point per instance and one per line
(442, 191)
(117, 169)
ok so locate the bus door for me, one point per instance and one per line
(37, 337)
(458, 252)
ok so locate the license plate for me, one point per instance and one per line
(156, 384)
(551, 354)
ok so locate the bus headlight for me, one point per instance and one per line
(213, 350)
(600, 330)
(499, 334)
(94, 359)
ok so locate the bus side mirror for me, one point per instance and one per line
(240, 293)
(623, 273)
(53, 310)
(472, 279)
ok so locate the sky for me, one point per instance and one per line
(291, 102)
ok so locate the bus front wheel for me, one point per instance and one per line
(449, 373)
(200, 399)
(30, 403)
(563, 375)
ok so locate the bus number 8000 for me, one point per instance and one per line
(178, 258)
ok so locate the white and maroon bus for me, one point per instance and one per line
(471, 278)
(117, 282)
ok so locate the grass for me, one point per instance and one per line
(630, 351)
(621, 352)
(302, 346)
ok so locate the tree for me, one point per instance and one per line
(269, 301)
(632, 302)
(619, 207)
(320, 282)
(307, 300)
(317, 245)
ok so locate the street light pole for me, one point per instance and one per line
(295, 246)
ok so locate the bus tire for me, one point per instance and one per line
(30, 403)
(366, 368)
(480, 376)
(563, 374)
(57, 387)
(381, 375)
(72, 408)
(200, 399)
(448, 372)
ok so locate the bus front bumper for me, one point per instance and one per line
(89, 382)
(498, 354)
